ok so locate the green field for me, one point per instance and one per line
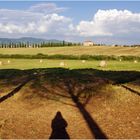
(76, 50)
(71, 64)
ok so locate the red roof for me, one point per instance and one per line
(88, 41)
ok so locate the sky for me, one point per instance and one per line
(103, 22)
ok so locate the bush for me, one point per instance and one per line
(71, 57)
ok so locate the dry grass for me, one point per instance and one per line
(76, 50)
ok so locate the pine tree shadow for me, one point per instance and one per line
(59, 125)
(16, 90)
(93, 126)
(73, 83)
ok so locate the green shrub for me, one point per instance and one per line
(71, 57)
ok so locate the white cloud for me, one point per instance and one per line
(110, 23)
(45, 20)
(34, 21)
(46, 8)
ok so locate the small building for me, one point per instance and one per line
(88, 43)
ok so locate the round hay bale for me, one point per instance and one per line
(35, 73)
(41, 61)
(135, 61)
(0, 63)
(103, 63)
(62, 64)
(83, 61)
(8, 61)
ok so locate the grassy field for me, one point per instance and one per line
(71, 64)
(76, 50)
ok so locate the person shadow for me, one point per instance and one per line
(59, 125)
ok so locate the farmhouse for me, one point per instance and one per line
(88, 43)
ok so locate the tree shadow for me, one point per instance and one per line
(13, 92)
(17, 89)
(131, 90)
(74, 83)
(59, 125)
(93, 126)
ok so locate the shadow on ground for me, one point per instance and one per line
(117, 77)
(78, 85)
(58, 126)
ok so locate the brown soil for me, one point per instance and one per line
(29, 113)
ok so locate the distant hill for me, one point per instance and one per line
(27, 39)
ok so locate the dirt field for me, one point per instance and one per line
(92, 106)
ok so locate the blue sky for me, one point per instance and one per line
(78, 10)
(101, 22)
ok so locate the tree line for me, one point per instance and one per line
(37, 45)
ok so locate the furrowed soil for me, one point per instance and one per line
(94, 106)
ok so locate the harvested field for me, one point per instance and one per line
(75, 50)
(71, 64)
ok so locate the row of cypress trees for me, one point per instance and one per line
(37, 45)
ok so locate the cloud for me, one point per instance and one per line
(46, 20)
(46, 8)
(38, 19)
(111, 23)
